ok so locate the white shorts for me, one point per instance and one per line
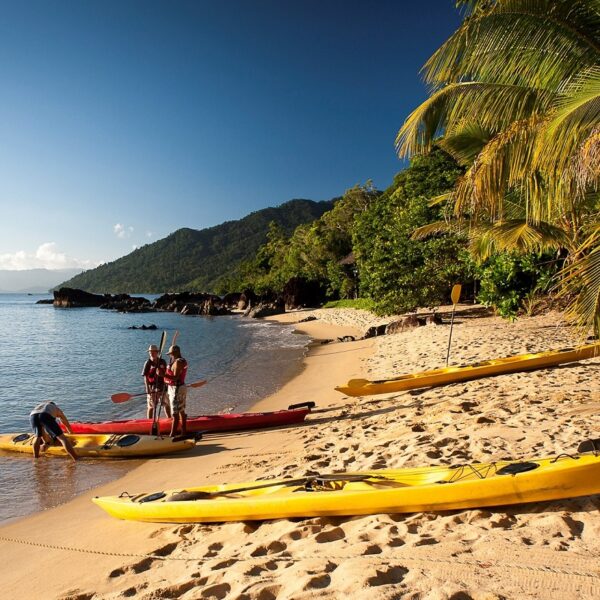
(153, 398)
(177, 398)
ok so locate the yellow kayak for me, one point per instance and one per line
(444, 376)
(100, 446)
(369, 492)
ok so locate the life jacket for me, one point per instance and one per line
(170, 378)
(150, 371)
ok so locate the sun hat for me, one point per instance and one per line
(153, 348)
(174, 350)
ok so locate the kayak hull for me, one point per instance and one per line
(100, 446)
(204, 423)
(444, 376)
(384, 491)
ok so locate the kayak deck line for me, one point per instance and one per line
(455, 374)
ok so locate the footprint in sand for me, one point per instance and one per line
(218, 591)
(337, 533)
(392, 575)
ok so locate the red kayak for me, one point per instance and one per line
(296, 413)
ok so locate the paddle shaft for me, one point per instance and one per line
(124, 396)
(290, 483)
(156, 411)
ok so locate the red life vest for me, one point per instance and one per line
(170, 378)
(150, 372)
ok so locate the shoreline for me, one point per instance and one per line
(60, 525)
(539, 550)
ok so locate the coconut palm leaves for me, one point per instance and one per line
(516, 98)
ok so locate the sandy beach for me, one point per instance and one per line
(541, 550)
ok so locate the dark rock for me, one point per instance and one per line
(306, 319)
(45, 301)
(374, 331)
(265, 310)
(410, 322)
(207, 308)
(143, 327)
(191, 303)
(433, 319)
(72, 298)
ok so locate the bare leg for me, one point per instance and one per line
(68, 447)
(183, 423)
(175, 424)
(150, 412)
(36, 446)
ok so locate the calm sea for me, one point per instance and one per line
(79, 357)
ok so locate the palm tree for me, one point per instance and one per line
(515, 97)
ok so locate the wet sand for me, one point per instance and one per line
(541, 550)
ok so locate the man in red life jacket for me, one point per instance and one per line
(153, 374)
(176, 390)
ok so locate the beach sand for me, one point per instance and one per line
(541, 550)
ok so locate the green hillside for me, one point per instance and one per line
(191, 259)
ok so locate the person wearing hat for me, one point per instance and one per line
(176, 390)
(43, 422)
(153, 374)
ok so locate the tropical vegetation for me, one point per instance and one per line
(516, 100)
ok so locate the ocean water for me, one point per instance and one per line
(79, 357)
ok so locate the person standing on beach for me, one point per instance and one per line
(154, 382)
(43, 421)
(176, 390)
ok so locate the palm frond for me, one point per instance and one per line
(446, 197)
(465, 142)
(494, 107)
(541, 43)
(576, 117)
(582, 279)
(522, 237)
(431, 229)
(586, 163)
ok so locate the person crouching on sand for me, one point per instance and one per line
(43, 421)
(176, 390)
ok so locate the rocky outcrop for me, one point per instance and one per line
(265, 310)
(412, 321)
(126, 303)
(72, 298)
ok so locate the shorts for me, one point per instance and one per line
(153, 398)
(45, 421)
(177, 397)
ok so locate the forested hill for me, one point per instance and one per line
(191, 259)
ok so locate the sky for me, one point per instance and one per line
(122, 121)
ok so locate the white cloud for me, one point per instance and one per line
(121, 231)
(149, 234)
(46, 256)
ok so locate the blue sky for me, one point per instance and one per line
(123, 121)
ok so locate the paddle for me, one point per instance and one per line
(159, 408)
(305, 481)
(124, 396)
(156, 413)
(455, 296)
